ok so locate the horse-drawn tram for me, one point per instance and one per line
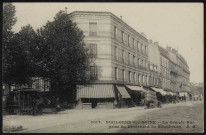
(28, 101)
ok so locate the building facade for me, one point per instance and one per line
(165, 68)
(174, 85)
(154, 64)
(180, 74)
(121, 52)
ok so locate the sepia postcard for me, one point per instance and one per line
(102, 67)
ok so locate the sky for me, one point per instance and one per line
(179, 25)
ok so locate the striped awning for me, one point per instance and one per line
(161, 91)
(136, 88)
(96, 91)
(123, 91)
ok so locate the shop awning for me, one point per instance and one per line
(196, 96)
(136, 88)
(171, 93)
(123, 91)
(96, 91)
(161, 91)
(182, 94)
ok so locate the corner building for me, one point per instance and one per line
(119, 71)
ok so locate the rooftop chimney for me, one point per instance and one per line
(150, 41)
(156, 43)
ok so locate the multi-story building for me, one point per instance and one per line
(179, 74)
(154, 63)
(165, 69)
(174, 70)
(184, 74)
(121, 58)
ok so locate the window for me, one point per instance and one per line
(130, 77)
(133, 42)
(128, 58)
(115, 53)
(137, 45)
(122, 36)
(93, 50)
(139, 79)
(143, 79)
(146, 79)
(116, 73)
(128, 39)
(142, 48)
(134, 60)
(161, 60)
(139, 61)
(115, 32)
(93, 29)
(38, 86)
(154, 81)
(135, 77)
(123, 56)
(93, 72)
(123, 74)
(145, 49)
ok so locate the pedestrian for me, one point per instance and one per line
(159, 104)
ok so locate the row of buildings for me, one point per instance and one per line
(128, 68)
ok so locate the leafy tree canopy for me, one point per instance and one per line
(65, 58)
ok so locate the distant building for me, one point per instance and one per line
(175, 84)
(197, 91)
(165, 69)
(154, 64)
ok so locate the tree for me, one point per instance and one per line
(23, 51)
(20, 50)
(64, 57)
(9, 20)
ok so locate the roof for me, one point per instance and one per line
(111, 14)
(163, 51)
(123, 91)
(95, 91)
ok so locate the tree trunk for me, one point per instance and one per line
(74, 96)
(9, 87)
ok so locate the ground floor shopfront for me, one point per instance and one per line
(113, 96)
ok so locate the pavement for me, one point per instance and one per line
(108, 120)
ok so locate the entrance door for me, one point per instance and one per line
(94, 104)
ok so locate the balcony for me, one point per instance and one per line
(92, 56)
(141, 67)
